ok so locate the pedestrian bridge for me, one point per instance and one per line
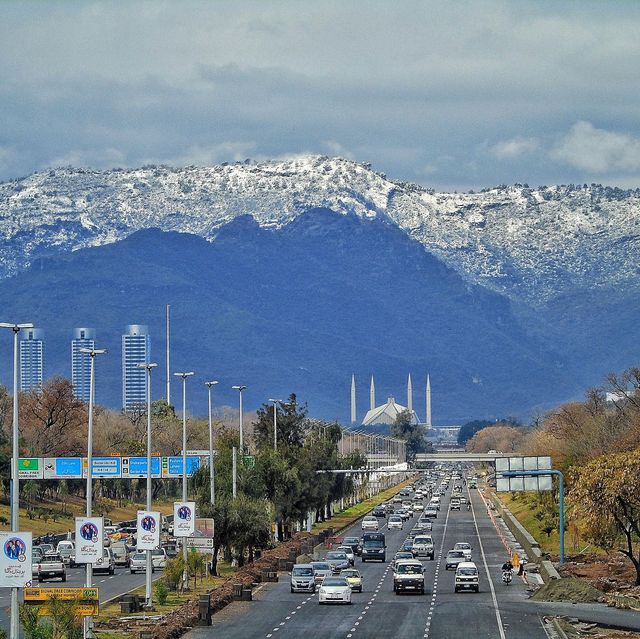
(460, 456)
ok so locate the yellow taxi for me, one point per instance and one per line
(354, 578)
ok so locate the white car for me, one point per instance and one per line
(370, 523)
(334, 590)
(159, 558)
(395, 521)
(465, 548)
(418, 507)
(348, 551)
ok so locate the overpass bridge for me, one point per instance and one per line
(460, 456)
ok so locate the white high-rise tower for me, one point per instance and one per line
(428, 403)
(372, 395)
(409, 394)
(353, 399)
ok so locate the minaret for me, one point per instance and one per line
(372, 395)
(409, 394)
(353, 399)
(428, 403)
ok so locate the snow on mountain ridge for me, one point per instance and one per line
(528, 243)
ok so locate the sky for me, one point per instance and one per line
(452, 95)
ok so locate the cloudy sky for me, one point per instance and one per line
(454, 95)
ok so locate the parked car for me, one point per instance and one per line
(51, 566)
(108, 564)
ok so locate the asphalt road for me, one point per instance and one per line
(497, 611)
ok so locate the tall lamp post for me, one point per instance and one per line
(149, 368)
(240, 389)
(184, 461)
(92, 352)
(212, 477)
(15, 483)
(275, 421)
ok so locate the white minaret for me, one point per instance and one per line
(428, 403)
(353, 399)
(372, 395)
(409, 394)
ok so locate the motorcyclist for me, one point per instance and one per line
(507, 566)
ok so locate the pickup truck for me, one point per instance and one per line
(51, 566)
(408, 575)
(423, 546)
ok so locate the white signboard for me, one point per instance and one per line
(148, 530)
(533, 483)
(89, 536)
(184, 518)
(15, 559)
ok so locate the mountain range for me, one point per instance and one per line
(289, 276)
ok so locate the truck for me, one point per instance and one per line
(408, 575)
(373, 546)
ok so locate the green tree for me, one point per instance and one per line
(605, 493)
(405, 428)
(290, 423)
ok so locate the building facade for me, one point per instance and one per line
(81, 362)
(31, 359)
(136, 349)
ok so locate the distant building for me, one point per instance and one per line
(81, 362)
(386, 414)
(31, 359)
(136, 349)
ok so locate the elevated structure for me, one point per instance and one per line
(31, 359)
(136, 349)
(81, 362)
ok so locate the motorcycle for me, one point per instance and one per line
(507, 576)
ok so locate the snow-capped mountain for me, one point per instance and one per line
(531, 244)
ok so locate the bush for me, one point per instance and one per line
(162, 592)
(173, 572)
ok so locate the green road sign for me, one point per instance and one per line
(249, 461)
(30, 468)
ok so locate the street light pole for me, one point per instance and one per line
(184, 463)
(212, 477)
(240, 388)
(148, 592)
(275, 422)
(15, 482)
(92, 352)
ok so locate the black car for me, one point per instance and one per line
(353, 543)
(379, 511)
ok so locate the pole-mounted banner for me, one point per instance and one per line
(184, 518)
(15, 559)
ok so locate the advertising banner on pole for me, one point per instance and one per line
(15, 559)
(148, 530)
(89, 537)
(184, 518)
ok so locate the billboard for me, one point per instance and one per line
(148, 530)
(184, 518)
(89, 537)
(15, 559)
(519, 484)
(202, 538)
(62, 467)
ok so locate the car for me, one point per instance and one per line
(120, 553)
(417, 497)
(321, 569)
(302, 578)
(138, 562)
(463, 500)
(408, 574)
(370, 523)
(108, 563)
(67, 550)
(338, 560)
(373, 546)
(465, 548)
(379, 511)
(454, 504)
(36, 556)
(467, 577)
(353, 577)
(47, 548)
(423, 546)
(110, 530)
(423, 524)
(407, 546)
(435, 503)
(401, 554)
(431, 513)
(354, 542)
(159, 558)
(404, 513)
(395, 521)
(334, 589)
(397, 499)
(51, 566)
(171, 549)
(454, 557)
(347, 550)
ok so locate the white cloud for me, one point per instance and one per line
(597, 150)
(209, 155)
(509, 149)
(336, 149)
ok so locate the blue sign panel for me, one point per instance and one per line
(137, 467)
(63, 468)
(174, 467)
(106, 467)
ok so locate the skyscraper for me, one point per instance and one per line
(31, 359)
(81, 362)
(136, 347)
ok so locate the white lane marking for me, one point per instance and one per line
(486, 568)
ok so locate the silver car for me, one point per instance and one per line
(321, 569)
(338, 560)
(138, 562)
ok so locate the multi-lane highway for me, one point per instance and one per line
(497, 611)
